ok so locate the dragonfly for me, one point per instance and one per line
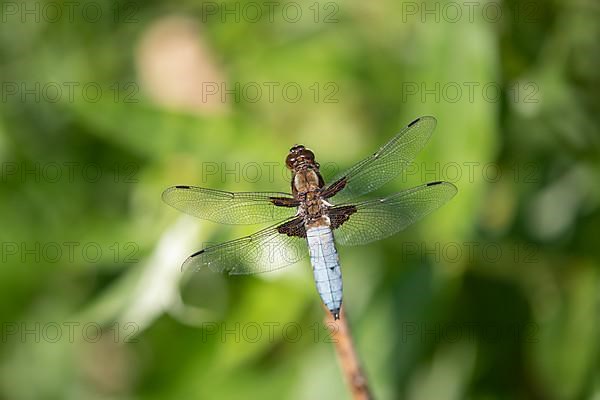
(315, 216)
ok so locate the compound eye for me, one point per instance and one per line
(307, 154)
(290, 161)
(297, 149)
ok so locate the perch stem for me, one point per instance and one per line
(348, 357)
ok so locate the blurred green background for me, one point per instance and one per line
(105, 104)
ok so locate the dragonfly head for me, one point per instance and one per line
(300, 157)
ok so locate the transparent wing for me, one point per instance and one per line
(263, 251)
(377, 219)
(387, 162)
(227, 207)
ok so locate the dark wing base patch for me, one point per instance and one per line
(339, 215)
(294, 227)
(334, 188)
(284, 202)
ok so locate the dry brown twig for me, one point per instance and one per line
(347, 356)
